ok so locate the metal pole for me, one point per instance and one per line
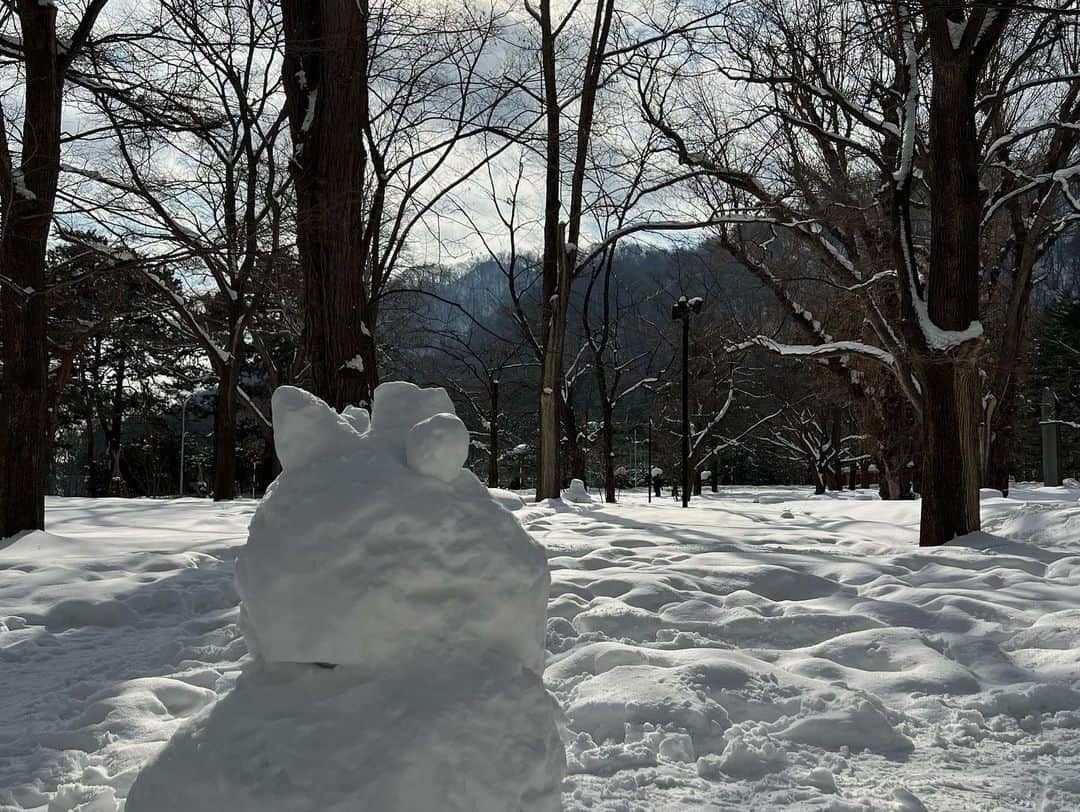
(686, 409)
(1051, 475)
(183, 427)
(649, 478)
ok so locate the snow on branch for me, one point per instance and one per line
(1067, 423)
(826, 350)
(244, 396)
(940, 339)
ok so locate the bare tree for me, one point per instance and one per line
(580, 59)
(858, 139)
(383, 101)
(487, 354)
(40, 44)
(813, 437)
(197, 178)
(1030, 148)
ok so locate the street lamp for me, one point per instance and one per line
(681, 310)
(651, 477)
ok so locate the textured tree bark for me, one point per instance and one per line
(888, 484)
(29, 196)
(560, 255)
(607, 417)
(493, 438)
(225, 434)
(608, 448)
(1000, 426)
(326, 71)
(950, 471)
(553, 332)
(950, 480)
(575, 456)
(91, 455)
(1002, 432)
(552, 314)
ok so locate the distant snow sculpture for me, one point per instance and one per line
(576, 493)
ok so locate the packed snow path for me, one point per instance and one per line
(760, 650)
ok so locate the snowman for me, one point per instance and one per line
(395, 614)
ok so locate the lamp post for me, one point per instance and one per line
(649, 478)
(1049, 429)
(682, 310)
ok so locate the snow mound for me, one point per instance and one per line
(376, 552)
(576, 493)
(299, 737)
(861, 725)
(508, 499)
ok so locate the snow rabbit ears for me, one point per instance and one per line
(417, 426)
(306, 429)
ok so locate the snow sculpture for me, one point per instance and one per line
(577, 493)
(376, 553)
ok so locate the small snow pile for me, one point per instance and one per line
(576, 493)
(377, 553)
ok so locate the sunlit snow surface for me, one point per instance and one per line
(763, 649)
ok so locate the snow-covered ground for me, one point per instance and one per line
(763, 649)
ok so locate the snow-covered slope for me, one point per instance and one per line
(761, 650)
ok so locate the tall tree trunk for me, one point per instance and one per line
(493, 437)
(90, 390)
(1002, 431)
(1000, 425)
(225, 435)
(28, 197)
(608, 447)
(326, 71)
(888, 484)
(560, 254)
(552, 313)
(117, 486)
(575, 454)
(950, 474)
(91, 454)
